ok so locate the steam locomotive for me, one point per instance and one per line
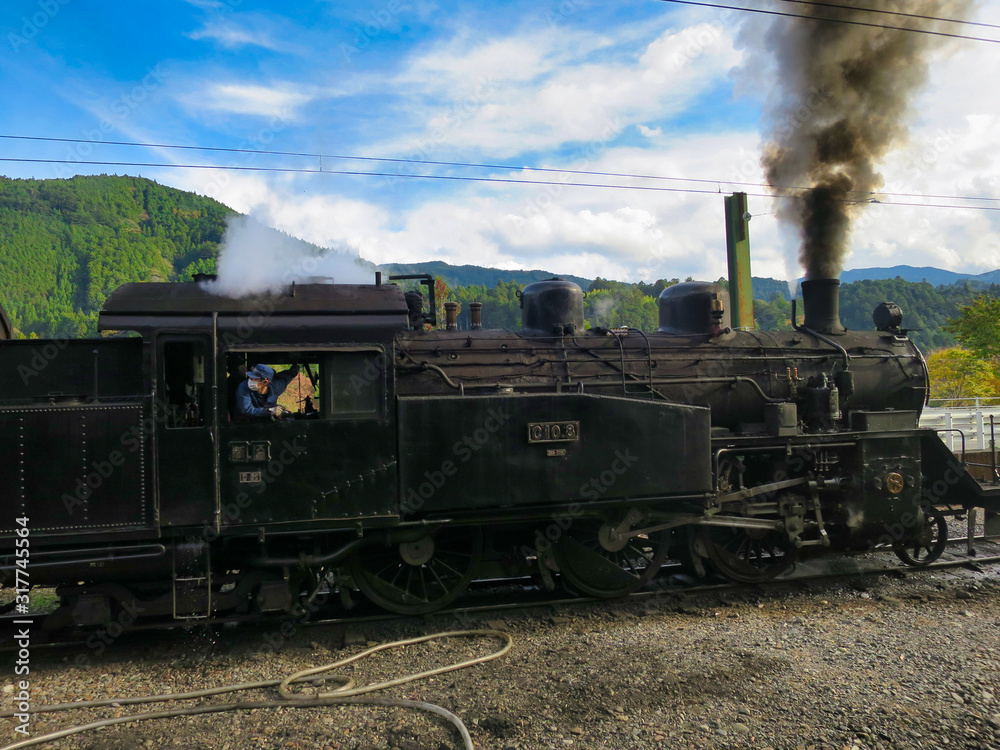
(419, 458)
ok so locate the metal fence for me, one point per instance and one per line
(969, 417)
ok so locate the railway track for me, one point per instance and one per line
(509, 597)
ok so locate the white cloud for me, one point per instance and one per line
(275, 100)
(650, 132)
(465, 60)
(231, 35)
(587, 232)
(545, 89)
(206, 4)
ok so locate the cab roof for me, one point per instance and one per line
(193, 298)
(146, 307)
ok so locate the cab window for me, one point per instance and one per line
(332, 384)
(184, 384)
(357, 384)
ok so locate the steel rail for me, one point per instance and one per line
(672, 592)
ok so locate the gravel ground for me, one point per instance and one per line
(876, 662)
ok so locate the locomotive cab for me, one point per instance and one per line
(221, 470)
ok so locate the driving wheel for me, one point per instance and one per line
(747, 555)
(420, 576)
(597, 561)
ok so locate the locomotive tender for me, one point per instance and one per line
(420, 459)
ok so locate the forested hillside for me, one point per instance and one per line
(925, 308)
(66, 244)
(456, 276)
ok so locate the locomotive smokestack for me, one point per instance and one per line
(476, 315)
(821, 300)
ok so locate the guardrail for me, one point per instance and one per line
(974, 426)
(973, 423)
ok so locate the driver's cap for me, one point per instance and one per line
(261, 372)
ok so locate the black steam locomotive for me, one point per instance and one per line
(418, 459)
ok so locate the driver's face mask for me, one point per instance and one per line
(254, 385)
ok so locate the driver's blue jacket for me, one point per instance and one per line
(253, 404)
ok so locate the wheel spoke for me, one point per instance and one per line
(412, 583)
(441, 583)
(744, 555)
(594, 562)
(640, 553)
(450, 569)
(423, 584)
(399, 572)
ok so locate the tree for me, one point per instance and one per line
(977, 327)
(620, 304)
(440, 297)
(959, 373)
(774, 314)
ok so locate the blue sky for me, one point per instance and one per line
(638, 87)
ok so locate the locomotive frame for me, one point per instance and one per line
(438, 456)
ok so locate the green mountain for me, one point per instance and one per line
(66, 244)
(934, 276)
(456, 276)
(926, 308)
(477, 275)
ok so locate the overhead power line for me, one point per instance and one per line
(457, 178)
(830, 19)
(360, 173)
(473, 165)
(894, 13)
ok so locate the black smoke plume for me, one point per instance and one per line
(844, 93)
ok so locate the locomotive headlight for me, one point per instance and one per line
(894, 483)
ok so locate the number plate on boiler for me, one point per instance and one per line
(553, 432)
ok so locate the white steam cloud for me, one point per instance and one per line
(603, 307)
(255, 258)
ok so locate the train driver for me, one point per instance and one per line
(257, 396)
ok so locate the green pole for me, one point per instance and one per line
(738, 252)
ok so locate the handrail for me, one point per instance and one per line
(993, 451)
(976, 400)
(954, 429)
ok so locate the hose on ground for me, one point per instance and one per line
(345, 694)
